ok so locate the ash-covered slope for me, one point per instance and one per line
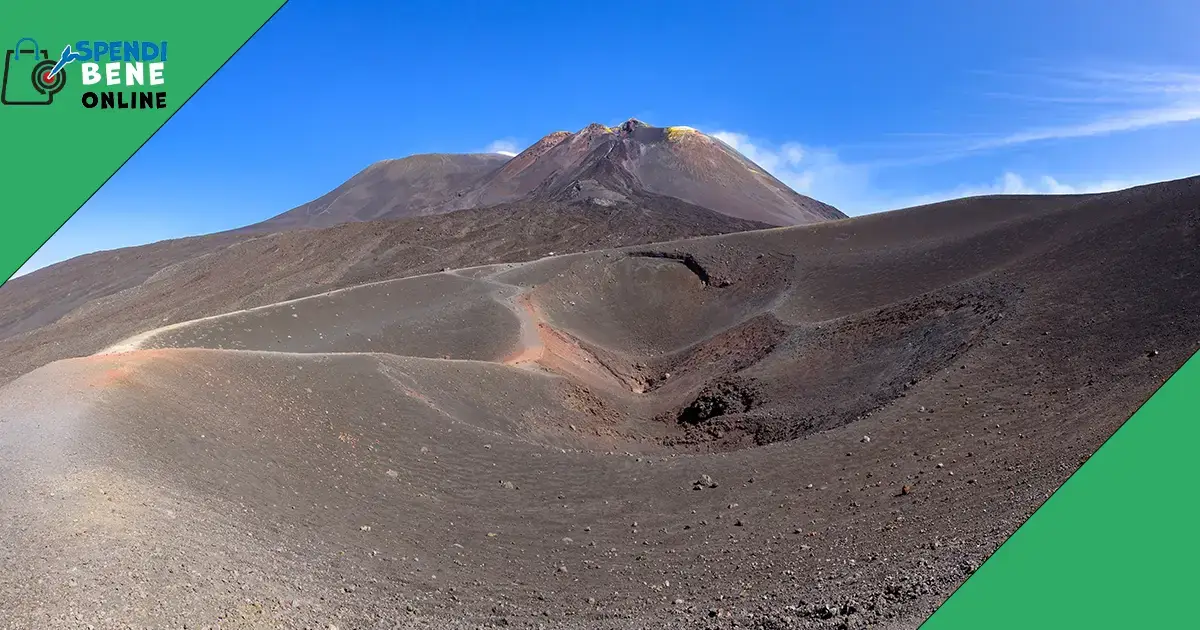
(389, 189)
(631, 162)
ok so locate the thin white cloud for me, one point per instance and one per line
(1119, 101)
(505, 146)
(1128, 80)
(1083, 104)
(1129, 121)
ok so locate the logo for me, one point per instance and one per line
(32, 77)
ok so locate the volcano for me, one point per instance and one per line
(603, 165)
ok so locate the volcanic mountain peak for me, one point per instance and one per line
(633, 124)
(679, 132)
(679, 161)
(608, 164)
(636, 131)
(595, 128)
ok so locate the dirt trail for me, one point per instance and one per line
(537, 337)
(139, 340)
(533, 348)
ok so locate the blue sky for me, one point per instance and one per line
(867, 105)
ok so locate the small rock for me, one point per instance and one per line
(704, 482)
(866, 439)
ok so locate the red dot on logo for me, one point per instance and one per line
(48, 77)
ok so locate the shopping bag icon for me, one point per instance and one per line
(27, 79)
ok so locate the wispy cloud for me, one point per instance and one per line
(504, 146)
(1125, 99)
(1081, 103)
(1126, 79)
(1127, 121)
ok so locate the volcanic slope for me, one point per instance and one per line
(84, 304)
(389, 189)
(820, 426)
(599, 164)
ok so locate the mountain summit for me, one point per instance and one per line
(600, 164)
